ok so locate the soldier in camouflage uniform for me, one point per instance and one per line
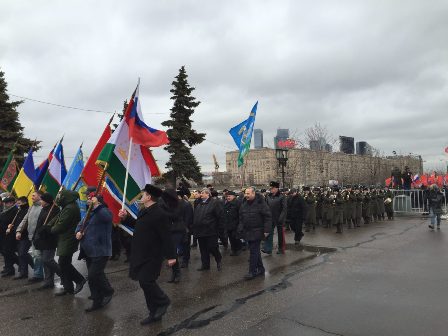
(319, 200)
(338, 209)
(350, 207)
(366, 206)
(373, 204)
(310, 201)
(327, 209)
(381, 208)
(359, 199)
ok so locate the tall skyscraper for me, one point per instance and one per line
(258, 138)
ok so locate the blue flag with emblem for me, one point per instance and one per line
(74, 182)
(242, 134)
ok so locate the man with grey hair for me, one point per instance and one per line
(208, 225)
(255, 224)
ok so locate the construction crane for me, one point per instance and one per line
(216, 163)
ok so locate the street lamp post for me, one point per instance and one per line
(282, 157)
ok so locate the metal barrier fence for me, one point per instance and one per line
(413, 201)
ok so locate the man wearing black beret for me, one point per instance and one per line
(150, 245)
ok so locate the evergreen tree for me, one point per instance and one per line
(11, 131)
(182, 164)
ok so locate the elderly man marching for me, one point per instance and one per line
(150, 245)
(255, 224)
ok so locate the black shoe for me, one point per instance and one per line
(79, 286)
(46, 286)
(35, 280)
(280, 252)
(175, 278)
(250, 276)
(431, 226)
(107, 299)
(8, 274)
(160, 311)
(219, 266)
(94, 306)
(184, 265)
(202, 268)
(63, 292)
(260, 272)
(149, 320)
(235, 253)
(20, 277)
(194, 245)
(264, 251)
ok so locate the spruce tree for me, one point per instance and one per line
(11, 131)
(182, 164)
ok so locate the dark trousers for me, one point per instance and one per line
(177, 238)
(297, 227)
(69, 274)
(116, 242)
(186, 248)
(25, 258)
(154, 295)
(98, 283)
(10, 256)
(235, 242)
(50, 266)
(207, 246)
(255, 262)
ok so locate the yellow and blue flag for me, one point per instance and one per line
(73, 180)
(242, 134)
(24, 184)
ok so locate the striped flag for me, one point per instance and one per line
(24, 184)
(56, 172)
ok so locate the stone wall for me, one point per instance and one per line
(307, 167)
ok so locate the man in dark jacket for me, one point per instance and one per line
(231, 218)
(208, 225)
(8, 244)
(45, 241)
(95, 236)
(150, 245)
(277, 203)
(64, 226)
(256, 224)
(296, 213)
(23, 242)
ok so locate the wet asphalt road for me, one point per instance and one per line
(388, 278)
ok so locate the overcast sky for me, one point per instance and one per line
(374, 70)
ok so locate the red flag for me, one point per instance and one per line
(91, 173)
(388, 181)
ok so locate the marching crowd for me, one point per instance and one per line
(168, 225)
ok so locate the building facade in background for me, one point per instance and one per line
(310, 167)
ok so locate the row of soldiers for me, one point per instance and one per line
(343, 206)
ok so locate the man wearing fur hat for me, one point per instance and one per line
(277, 203)
(151, 243)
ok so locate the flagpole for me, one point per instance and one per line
(127, 174)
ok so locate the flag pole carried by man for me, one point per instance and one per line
(130, 164)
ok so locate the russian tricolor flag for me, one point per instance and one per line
(416, 178)
(141, 133)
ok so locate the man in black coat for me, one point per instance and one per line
(231, 218)
(150, 245)
(277, 203)
(296, 213)
(255, 223)
(8, 243)
(208, 225)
